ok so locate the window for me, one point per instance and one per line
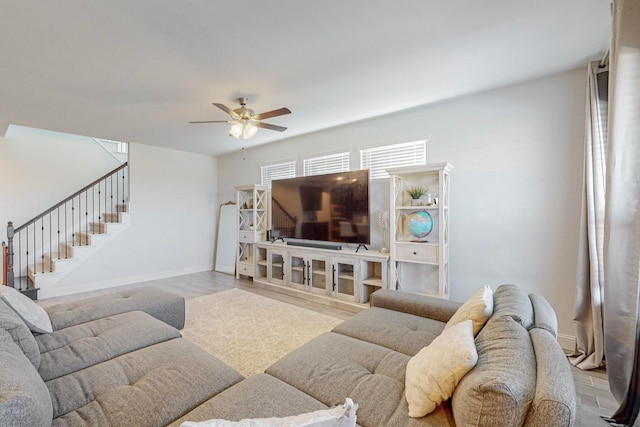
(277, 171)
(378, 159)
(114, 146)
(326, 164)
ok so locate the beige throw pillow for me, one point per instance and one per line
(433, 374)
(478, 309)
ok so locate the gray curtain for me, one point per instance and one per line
(608, 276)
(622, 224)
(588, 317)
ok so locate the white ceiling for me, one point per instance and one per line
(140, 70)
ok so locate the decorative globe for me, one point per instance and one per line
(419, 223)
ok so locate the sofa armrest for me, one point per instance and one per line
(419, 305)
(554, 403)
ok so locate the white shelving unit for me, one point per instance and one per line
(252, 204)
(420, 265)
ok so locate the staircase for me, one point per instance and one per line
(71, 254)
(54, 243)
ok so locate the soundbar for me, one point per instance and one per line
(317, 245)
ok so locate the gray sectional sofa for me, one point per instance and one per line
(119, 360)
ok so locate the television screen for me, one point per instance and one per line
(331, 208)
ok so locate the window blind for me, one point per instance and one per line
(378, 159)
(277, 171)
(330, 163)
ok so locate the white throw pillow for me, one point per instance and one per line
(433, 374)
(340, 416)
(478, 309)
(31, 313)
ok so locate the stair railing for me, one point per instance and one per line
(68, 223)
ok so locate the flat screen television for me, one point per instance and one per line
(329, 208)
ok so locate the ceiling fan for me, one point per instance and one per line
(245, 122)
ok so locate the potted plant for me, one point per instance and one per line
(416, 192)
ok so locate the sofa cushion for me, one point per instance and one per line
(544, 317)
(269, 397)
(554, 403)
(77, 347)
(339, 416)
(406, 333)
(162, 305)
(478, 308)
(31, 313)
(24, 398)
(20, 333)
(333, 366)
(510, 300)
(433, 373)
(152, 386)
(499, 390)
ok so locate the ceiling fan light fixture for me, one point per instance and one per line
(249, 130)
(236, 130)
(243, 128)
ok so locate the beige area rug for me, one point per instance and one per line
(249, 332)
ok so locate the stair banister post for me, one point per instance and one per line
(10, 233)
(5, 262)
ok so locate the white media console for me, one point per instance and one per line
(323, 275)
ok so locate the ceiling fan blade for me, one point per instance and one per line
(270, 127)
(227, 110)
(274, 113)
(212, 121)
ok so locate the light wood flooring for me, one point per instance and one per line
(592, 388)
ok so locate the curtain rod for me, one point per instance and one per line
(605, 60)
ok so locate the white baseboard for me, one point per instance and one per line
(105, 284)
(567, 342)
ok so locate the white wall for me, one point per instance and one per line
(174, 206)
(38, 169)
(517, 154)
